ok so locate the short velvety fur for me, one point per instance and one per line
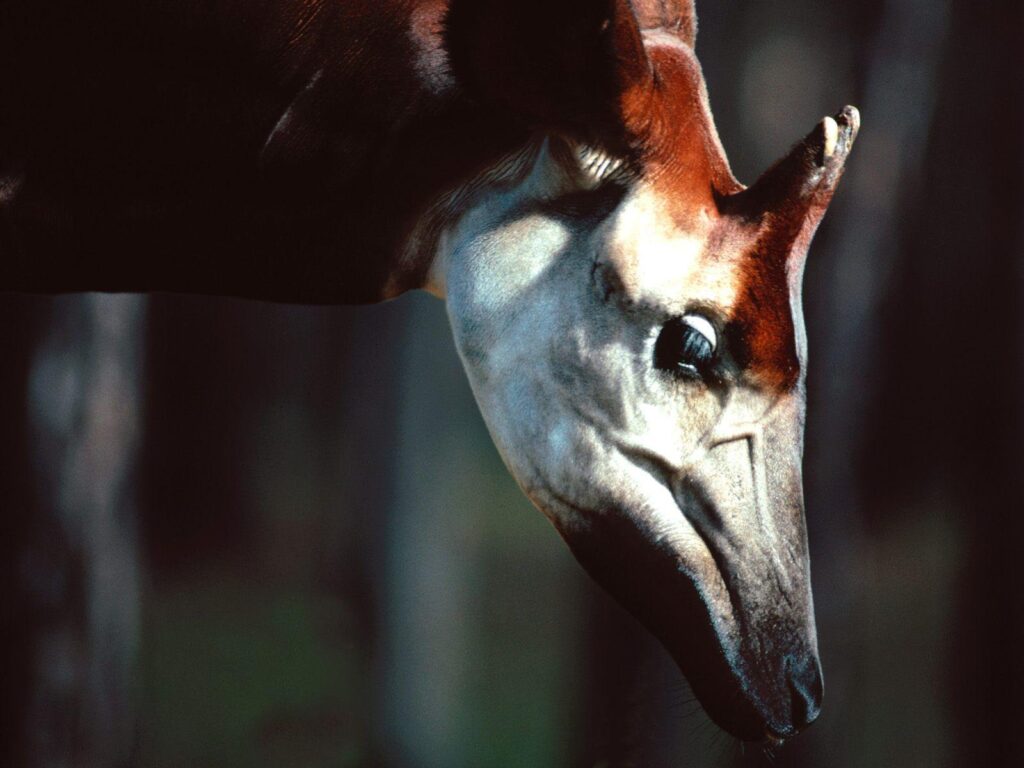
(551, 167)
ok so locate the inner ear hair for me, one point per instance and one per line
(598, 166)
(587, 165)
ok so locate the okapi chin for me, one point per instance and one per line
(629, 314)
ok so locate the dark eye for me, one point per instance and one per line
(686, 346)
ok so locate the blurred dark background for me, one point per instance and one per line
(237, 534)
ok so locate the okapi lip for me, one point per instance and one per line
(649, 582)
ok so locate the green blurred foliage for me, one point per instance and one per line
(246, 674)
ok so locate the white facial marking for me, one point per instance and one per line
(658, 265)
(565, 376)
(557, 317)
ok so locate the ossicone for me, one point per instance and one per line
(809, 173)
(790, 198)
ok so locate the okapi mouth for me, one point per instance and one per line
(773, 655)
(690, 609)
(660, 592)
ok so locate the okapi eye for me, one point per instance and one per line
(686, 346)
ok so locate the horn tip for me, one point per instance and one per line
(835, 135)
(848, 121)
(849, 116)
(831, 130)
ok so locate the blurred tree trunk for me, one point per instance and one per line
(976, 184)
(429, 552)
(862, 246)
(947, 427)
(81, 564)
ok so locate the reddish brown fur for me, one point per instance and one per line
(765, 231)
(678, 143)
(763, 318)
(146, 133)
(683, 156)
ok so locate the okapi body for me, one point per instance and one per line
(627, 312)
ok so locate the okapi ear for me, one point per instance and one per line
(675, 16)
(565, 64)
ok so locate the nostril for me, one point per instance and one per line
(807, 688)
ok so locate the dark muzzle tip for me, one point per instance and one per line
(806, 688)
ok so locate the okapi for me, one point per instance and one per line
(629, 315)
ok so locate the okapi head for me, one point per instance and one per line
(630, 319)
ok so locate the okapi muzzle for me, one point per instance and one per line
(630, 318)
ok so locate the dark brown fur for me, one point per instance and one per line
(134, 137)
